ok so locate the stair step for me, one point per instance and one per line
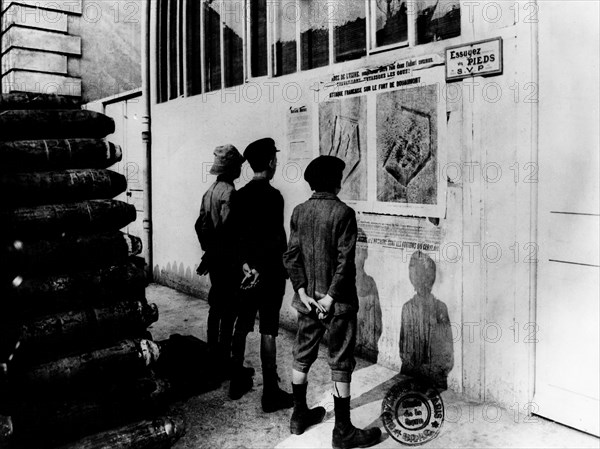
(54, 124)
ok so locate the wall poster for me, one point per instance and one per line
(298, 134)
(407, 146)
(389, 125)
(342, 133)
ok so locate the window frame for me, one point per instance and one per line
(274, 33)
(172, 51)
(270, 32)
(192, 42)
(162, 53)
(411, 24)
(203, 68)
(166, 72)
(181, 48)
(203, 49)
(332, 23)
(330, 37)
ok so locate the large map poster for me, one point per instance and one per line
(407, 146)
(343, 133)
(388, 124)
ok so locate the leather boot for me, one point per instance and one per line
(345, 435)
(273, 397)
(238, 349)
(302, 416)
(236, 366)
(241, 382)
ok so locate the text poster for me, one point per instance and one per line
(299, 124)
(399, 234)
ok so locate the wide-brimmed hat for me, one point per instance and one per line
(227, 157)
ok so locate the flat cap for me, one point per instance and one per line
(261, 150)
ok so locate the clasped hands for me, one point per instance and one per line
(251, 277)
(323, 306)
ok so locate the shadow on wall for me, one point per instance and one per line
(426, 346)
(369, 311)
(182, 278)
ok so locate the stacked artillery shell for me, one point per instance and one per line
(155, 434)
(75, 354)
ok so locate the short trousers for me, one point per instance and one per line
(266, 300)
(342, 339)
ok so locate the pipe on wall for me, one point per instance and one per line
(533, 218)
(147, 132)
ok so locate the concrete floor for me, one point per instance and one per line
(215, 421)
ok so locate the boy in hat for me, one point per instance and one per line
(320, 262)
(258, 210)
(220, 260)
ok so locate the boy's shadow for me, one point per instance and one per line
(426, 346)
(369, 311)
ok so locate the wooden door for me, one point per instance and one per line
(567, 349)
(128, 133)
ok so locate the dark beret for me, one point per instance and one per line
(324, 167)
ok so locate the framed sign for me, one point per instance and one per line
(475, 59)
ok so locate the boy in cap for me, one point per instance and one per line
(220, 260)
(258, 210)
(320, 262)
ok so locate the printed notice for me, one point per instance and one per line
(399, 233)
(298, 133)
(399, 74)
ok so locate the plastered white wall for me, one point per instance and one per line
(491, 126)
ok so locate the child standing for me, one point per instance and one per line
(320, 262)
(258, 219)
(220, 259)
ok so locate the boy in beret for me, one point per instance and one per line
(320, 262)
(258, 210)
(220, 261)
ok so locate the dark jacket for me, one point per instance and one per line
(257, 214)
(321, 250)
(213, 225)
